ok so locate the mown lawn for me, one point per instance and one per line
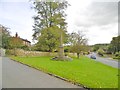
(84, 71)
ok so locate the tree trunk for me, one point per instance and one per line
(78, 55)
(14, 51)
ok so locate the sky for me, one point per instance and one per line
(97, 19)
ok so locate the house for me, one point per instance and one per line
(24, 41)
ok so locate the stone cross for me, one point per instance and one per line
(61, 48)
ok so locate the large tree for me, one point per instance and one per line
(4, 36)
(15, 42)
(115, 44)
(78, 42)
(49, 22)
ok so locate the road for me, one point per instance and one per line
(106, 61)
(16, 75)
(0, 73)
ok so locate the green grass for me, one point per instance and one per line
(84, 71)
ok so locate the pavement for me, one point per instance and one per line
(16, 75)
(107, 61)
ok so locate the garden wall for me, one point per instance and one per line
(21, 52)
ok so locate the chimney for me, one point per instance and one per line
(16, 35)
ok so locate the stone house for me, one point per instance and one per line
(24, 41)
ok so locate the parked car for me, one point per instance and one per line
(93, 57)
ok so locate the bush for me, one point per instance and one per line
(25, 47)
(101, 52)
(9, 52)
(117, 55)
(67, 49)
(116, 58)
(95, 48)
(86, 53)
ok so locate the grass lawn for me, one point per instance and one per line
(84, 71)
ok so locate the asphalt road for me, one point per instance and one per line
(0, 73)
(16, 75)
(106, 61)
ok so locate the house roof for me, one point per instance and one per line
(16, 35)
(25, 40)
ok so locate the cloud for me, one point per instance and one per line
(103, 34)
(119, 18)
(14, 0)
(99, 19)
(18, 17)
(98, 14)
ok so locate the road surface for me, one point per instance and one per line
(106, 61)
(16, 75)
(0, 73)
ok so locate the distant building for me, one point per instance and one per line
(25, 41)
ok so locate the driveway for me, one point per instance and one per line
(16, 75)
(106, 61)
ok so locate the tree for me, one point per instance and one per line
(49, 22)
(49, 39)
(5, 37)
(77, 38)
(114, 45)
(95, 48)
(77, 48)
(109, 49)
(78, 43)
(15, 42)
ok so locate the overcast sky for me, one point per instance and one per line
(96, 18)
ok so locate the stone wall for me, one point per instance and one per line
(21, 52)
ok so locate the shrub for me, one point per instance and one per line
(101, 52)
(66, 50)
(9, 52)
(117, 55)
(25, 47)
